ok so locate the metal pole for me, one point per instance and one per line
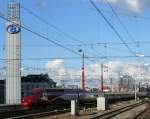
(77, 93)
(135, 95)
(127, 85)
(83, 77)
(111, 84)
(102, 86)
(139, 87)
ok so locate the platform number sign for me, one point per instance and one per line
(13, 29)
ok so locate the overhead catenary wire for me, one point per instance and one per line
(75, 39)
(123, 26)
(69, 35)
(57, 28)
(45, 38)
(128, 15)
(86, 44)
(112, 27)
(71, 58)
(52, 25)
(41, 36)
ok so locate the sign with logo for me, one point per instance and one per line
(13, 29)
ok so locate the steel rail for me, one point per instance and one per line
(15, 113)
(115, 112)
(53, 110)
(145, 114)
(41, 114)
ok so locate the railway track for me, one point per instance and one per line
(29, 114)
(40, 114)
(115, 112)
(145, 114)
(55, 110)
(20, 113)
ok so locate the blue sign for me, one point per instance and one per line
(13, 29)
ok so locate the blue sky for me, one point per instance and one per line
(82, 21)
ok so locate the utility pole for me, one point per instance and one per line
(127, 85)
(111, 84)
(83, 77)
(135, 91)
(139, 86)
(102, 86)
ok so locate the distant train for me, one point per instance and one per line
(44, 97)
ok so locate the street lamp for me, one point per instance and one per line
(83, 76)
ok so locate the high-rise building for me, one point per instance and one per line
(13, 54)
(126, 83)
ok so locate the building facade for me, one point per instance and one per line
(126, 83)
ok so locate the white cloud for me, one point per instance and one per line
(56, 67)
(112, 1)
(113, 69)
(56, 64)
(41, 5)
(133, 6)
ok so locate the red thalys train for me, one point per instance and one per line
(44, 97)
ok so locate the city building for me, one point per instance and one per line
(126, 83)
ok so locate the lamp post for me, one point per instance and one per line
(83, 75)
